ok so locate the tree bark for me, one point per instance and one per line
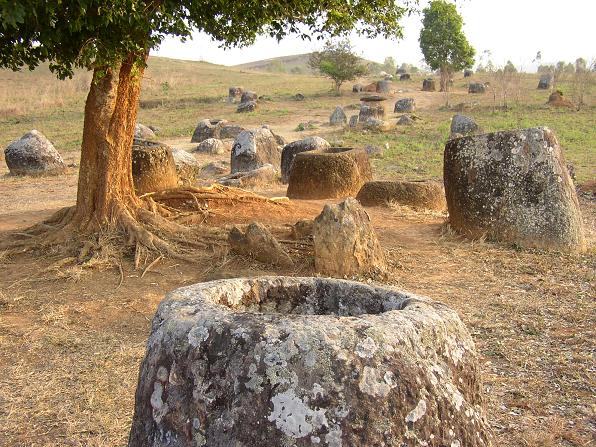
(105, 177)
(444, 79)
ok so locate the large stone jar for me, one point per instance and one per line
(280, 361)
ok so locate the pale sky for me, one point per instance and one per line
(510, 29)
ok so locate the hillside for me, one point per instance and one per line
(296, 63)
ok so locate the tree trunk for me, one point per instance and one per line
(105, 177)
(444, 79)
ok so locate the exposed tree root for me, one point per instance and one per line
(164, 225)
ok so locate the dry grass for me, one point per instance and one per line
(71, 349)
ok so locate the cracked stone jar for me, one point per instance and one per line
(280, 361)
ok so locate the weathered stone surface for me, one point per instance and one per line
(405, 120)
(338, 117)
(357, 88)
(299, 97)
(281, 361)
(253, 149)
(290, 150)
(428, 85)
(215, 169)
(468, 73)
(461, 124)
(370, 111)
(476, 87)
(187, 166)
(375, 124)
(257, 242)
(513, 187)
(545, 82)
(259, 176)
(247, 106)
(153, 167)
(210, 146)
(302, 229)
(426, 194)
(345, 241)
(143, 132)
(235, 93)
(375, 151)
(405, 105)
(228, 131)
(332, 173)
(353, 121)
(33, 154)
(405, 77)
(249, 96)
(207, 129)
(384, 86)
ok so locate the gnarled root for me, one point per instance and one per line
(163, 224)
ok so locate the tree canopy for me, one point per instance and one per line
(442, 40)
(338, 62)
(94, 33)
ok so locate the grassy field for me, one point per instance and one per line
(177, 94)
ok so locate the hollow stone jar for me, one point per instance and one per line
(279, 361)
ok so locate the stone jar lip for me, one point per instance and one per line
(227, 299)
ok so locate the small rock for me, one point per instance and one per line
(248, 106)
(210, 146)
(302, 229)
(405, 120)
(259, 176)
(461, 124)
(345, 242)
(338, 117)
(374, 124)
(215, 169)
(143, 132)
(33, 154)
(373, 151)
(257, 242)
(299, 97)
(187, 166)
(248, 96)
(353, 121)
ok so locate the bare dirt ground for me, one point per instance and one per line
(71, 340)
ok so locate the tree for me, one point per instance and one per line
(442, 41)
(113, 39)
(338, 62)
(583, 77)
(389, 65)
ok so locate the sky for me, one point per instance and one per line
(511, 29)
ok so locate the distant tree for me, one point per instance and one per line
(442, 41)
(509, 67)
(583, 77)
(338, 62)
(389, 65)
(113, 39)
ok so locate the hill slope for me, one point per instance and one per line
(296, 63)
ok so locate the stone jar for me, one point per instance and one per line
(280, 361)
